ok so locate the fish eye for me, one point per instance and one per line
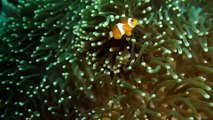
(132, 20)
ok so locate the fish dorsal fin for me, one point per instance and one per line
(124, 20)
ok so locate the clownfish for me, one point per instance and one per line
(124, 27)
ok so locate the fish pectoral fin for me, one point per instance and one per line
(117, 37)
(126, 29)
(129, 33)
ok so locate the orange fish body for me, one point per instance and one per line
(125, 27)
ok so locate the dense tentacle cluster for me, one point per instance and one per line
(58, 61)
(170, 35)
(36, 51)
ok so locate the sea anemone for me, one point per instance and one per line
(58, 61)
